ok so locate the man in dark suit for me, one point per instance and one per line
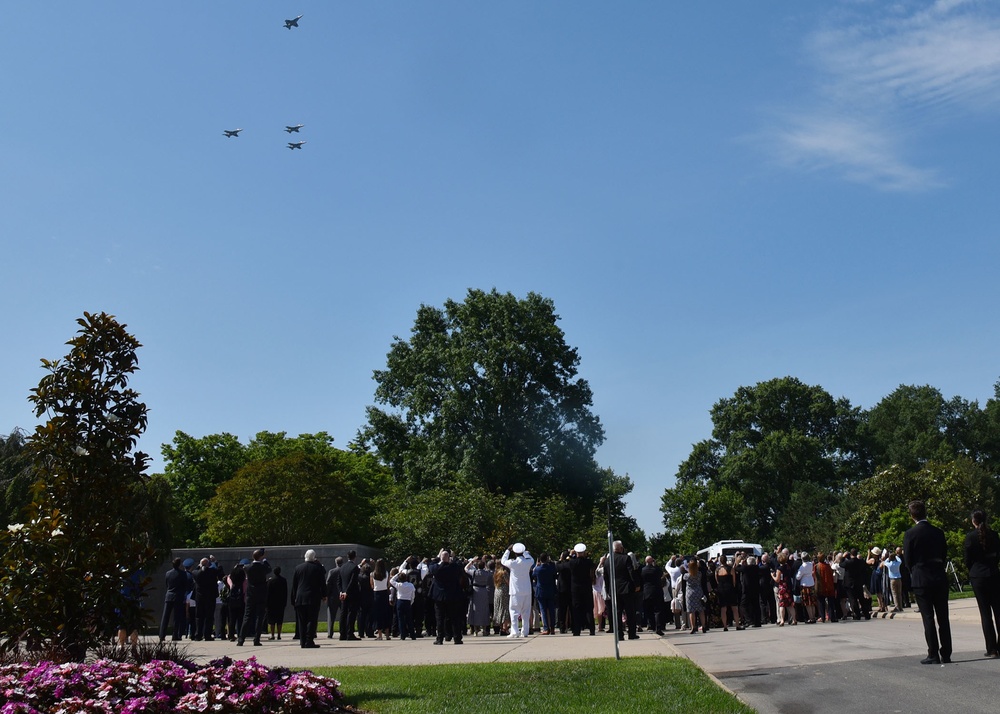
(174, 600)
(256, 596)
(206, 590)
(581, 590)
(333, 595)
(652, 595)
(855, 578)
(350, 596)
(564, 597)
(925, 553)
(308, 591)
(625, 590)
(448, 594)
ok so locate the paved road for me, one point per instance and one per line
(850, 666)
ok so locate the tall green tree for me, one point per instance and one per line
(194, 468)
(292, 500)
(87, 529)
(914, 425)
(769, 441)
(486, 390)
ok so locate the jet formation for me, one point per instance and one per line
(291, 128)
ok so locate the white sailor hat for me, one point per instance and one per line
(518, 548)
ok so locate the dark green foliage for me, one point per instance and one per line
(486, 390)
(88, 527)
(298, 498)
(789, 463)
(194, 468)
(470, 520)
(769, 441)
(914, 425)
(16, 476)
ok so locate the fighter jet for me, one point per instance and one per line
(230, 133)
(289, 24)
(295, 144)
(295, 128)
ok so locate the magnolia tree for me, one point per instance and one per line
(74, 568)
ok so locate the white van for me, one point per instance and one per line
(724, 550)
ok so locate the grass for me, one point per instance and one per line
(633, 684)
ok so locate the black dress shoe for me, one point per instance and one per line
(931, 660)
(945, 660)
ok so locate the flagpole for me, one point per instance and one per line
(610, 564)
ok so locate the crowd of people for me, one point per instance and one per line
(448, 597)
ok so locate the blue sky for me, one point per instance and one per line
(712, 194)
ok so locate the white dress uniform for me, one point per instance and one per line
(520, 589)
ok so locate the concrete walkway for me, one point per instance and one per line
(332, 653)
(808, 669)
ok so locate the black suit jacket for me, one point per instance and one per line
(308, 584)
(176, 585)
(652, 583)
(206, 584)
(982, 561)
(447, 583)
(624, 574)
(925, 553)
(333, 583)
(581, 571)
(349, 575)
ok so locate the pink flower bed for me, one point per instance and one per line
(223, 686)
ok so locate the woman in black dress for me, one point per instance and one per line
(277, 598)
(725, 590)
(982, 553)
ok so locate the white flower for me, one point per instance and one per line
(57, 532)
(15, 527)
(80, 451)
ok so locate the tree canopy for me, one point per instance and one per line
(769, 440)
(88, 529)
(788, 462)
(486, 390)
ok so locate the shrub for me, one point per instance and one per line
(163, 687)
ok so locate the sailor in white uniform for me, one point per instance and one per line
(520, 588)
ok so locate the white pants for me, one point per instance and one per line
(520, 606)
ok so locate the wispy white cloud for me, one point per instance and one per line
(861, 152)
(885, 78)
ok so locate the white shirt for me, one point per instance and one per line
(805, 574)
(404, 588)
(520, 571)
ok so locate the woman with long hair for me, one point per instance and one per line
(982, 556)
(786, 601)
(501, 600)
(381, 615)
(694, 596)
(725, 588)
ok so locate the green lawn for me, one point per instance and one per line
(633, 684)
